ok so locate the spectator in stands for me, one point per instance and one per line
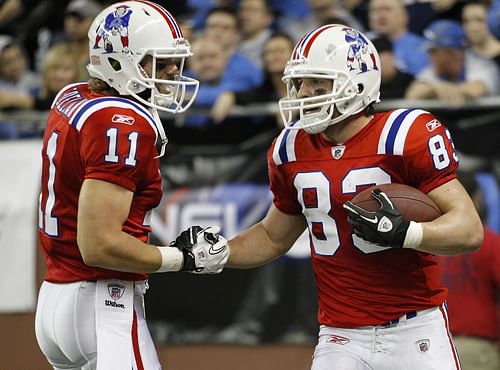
(475, 26)
(15, 79)
(256, 18)
(322, 12)
(473, 281)
(390, 17)
(394, 81)
(9, 11)
(12, 11)
(208, 65)
(222, 26)
(494, 19)
(78, 17)
(15, 75)
(59, 68)
(277, 51)
(454, 75)
(448, 9)
(494, 24)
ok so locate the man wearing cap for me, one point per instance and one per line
(78, 16)
(455, 74)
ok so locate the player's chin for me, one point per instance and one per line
(311, 111)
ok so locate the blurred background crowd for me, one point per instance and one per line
(443, 49)
(444, 52)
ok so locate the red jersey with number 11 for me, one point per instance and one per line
(91, 136)
(360, 283)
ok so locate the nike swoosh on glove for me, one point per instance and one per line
(385, 226)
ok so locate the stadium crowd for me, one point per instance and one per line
(445, 50)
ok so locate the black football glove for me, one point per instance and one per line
(185, 242)
(385, 226)
(204, 250)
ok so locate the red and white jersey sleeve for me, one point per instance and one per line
(359, 283)
(424, 143)
(94, 137)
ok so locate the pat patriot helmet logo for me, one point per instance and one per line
(116, 290)
(115, 24)
(359, 55)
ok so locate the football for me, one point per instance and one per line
(411, 202)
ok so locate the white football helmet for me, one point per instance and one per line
(335, 52)
(119, 39)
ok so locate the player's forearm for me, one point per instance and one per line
(119, 251)
(452, 234)
(252, 248)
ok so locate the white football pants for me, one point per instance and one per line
(417, 343)
(65, 326)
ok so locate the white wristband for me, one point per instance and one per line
(171, 259)
(414, 235)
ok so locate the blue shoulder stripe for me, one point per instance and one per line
(391, 137)
(123, 101)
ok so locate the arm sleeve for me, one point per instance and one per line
(115, 151)
(429, 155)
(284, 193)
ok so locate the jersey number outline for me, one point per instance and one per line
(317, 208)
(46, 220)
(111, 156)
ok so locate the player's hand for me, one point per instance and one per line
(385, 226)
(205, 252)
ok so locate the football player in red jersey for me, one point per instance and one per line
(100, 181)
(381, 304)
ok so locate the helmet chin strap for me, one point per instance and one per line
(317, 122)
(161, 132)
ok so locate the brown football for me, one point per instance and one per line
(411, 202)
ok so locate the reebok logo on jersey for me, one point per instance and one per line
(121, 118)
(432, 125)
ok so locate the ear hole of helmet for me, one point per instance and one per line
(361, 88)
(115, 64)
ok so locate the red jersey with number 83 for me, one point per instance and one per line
(360, 283)
(91, 136)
